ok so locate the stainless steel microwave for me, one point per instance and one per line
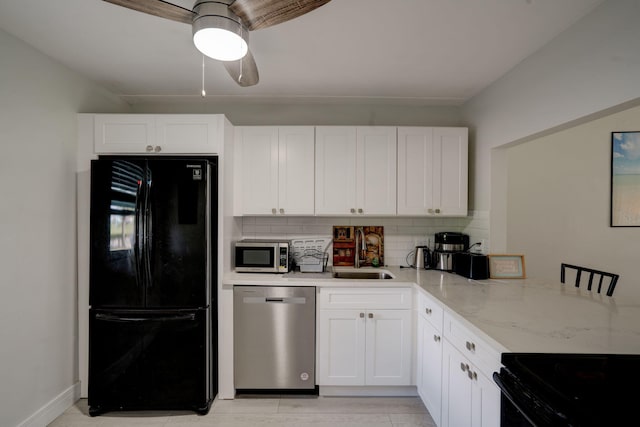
(263, 256)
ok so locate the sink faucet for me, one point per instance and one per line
(360, 248)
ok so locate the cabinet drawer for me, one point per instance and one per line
(430, 309)
(478, 351)
(367, 298)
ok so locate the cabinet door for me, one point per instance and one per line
(388, 347)
(335, 170)
(296, 170)
(415, 170)
(376, 170)
(485, 402)
(124, 133)
(432, 171)
(187, 133)
(456, 388)
(469, 398)
(430, 368)
(341, 345)
(259, 170)
(451, 170)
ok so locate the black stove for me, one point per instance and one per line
(578, 390)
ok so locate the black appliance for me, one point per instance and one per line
(577, 390)
(471, 266)
(447, 244)
(152, 317)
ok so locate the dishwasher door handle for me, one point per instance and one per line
(278, 300)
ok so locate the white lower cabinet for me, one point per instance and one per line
(364, 337)
(469, 395)
(429, 361)
(469, 398)
(454, 368)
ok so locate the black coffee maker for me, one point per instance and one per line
(448, 243)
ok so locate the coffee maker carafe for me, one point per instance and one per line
(448, 243)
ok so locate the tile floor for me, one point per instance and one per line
(272, 411)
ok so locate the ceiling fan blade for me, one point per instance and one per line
(256, 14)
(159, 8)
(244, 71)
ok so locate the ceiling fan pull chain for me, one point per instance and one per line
(203, 91)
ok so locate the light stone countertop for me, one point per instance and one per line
(514, 315)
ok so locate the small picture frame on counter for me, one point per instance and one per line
(506, 266)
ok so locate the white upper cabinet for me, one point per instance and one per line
(355, 170)
(158, 133)
(277, 169)
(432, 171)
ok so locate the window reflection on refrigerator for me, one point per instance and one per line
(126, 178)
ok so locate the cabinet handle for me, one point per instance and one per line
(437, 211)
(436, 338)
(471, 346)
(430, 211)
(149, 148)
(428, 310)
(360, 211)
(370, 315)
(362, 315)
(281, 210)
(157, 149)
(464, 366)
(472, 375)
(273, 211)
(352, 210)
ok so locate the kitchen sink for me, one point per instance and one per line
(368, 275)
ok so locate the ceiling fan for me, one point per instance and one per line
(226, 24)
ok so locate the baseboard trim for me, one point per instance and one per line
(386, 391)
(52, 410)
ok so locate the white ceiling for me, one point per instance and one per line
(435, 52)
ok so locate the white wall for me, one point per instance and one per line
(558, 203)
(39, 100)
(289, 112)
(592, 67)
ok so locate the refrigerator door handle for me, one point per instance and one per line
(138, 247)
(148, 234)
(116, 318)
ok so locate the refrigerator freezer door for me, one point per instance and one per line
(117, 195)
(149, 360)
(177, 234)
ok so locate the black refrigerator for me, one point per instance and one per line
(152, 316)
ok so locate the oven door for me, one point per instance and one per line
(521, 407)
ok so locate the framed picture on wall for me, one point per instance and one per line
(625, 179)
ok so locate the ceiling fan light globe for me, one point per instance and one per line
(220, 44)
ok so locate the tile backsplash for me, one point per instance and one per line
(401, 234)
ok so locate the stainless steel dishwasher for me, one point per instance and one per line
(274, 337)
